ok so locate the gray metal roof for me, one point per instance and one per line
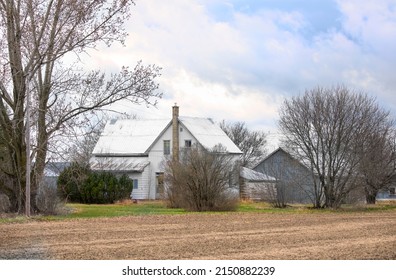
(254, 176)
(120, 164)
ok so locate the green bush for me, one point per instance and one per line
(126, 186)
(105, 187)
(71, 180)
(78, 184)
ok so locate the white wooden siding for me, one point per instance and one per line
(157, 158)
(142, 192)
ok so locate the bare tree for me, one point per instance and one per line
(252, 143)
(37, 36)
(327, 129)
(202, 180)
(378, 164)
(84, 141)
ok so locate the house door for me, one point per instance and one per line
(159, 178)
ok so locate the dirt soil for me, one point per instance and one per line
(206, 236)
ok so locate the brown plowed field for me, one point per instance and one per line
(206, 236)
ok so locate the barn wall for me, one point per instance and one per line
(259, 190)
(295, 179)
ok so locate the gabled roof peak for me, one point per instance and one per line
(137, 136)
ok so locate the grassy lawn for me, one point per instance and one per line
(120, 209)
(75, 210)
(128, 208)
(159, 207)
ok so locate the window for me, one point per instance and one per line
(392, 191)
(166, 147)
(187, 143)
(135, 184)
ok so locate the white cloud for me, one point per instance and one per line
(202, 98)
(240, 67)
(372, 26)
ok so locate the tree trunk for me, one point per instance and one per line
(371, 197)
(38, 173)
(317, 197)
(42, 143)
(331, 201)
(318, 203)
(19, 168)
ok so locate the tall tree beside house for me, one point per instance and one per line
(252, 143)
(328, 128)
(38, 36)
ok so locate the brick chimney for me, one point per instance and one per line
(175, 132)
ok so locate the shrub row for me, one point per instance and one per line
(77, 183)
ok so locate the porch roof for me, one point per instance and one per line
(121, 164)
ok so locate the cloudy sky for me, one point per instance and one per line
(238, 60)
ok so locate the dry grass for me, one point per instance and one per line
(386, 202)
(320, 235)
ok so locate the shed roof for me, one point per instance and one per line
(254, 176)
(119, 163)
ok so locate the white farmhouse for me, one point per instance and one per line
(139, 147)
